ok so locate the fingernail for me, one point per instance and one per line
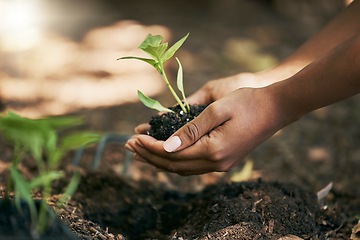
(172, 144)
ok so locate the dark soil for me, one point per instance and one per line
(164, 125)
(249, 210)
(15, 224)
(166, 206)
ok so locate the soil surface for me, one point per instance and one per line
(164, 125)
(248, 210)
(124, 199)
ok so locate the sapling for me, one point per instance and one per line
(160, 53)
(39, 139)
(162, 126)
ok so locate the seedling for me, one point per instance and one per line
(39, 139)
(160, 53)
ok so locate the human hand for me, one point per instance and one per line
(216, 89)
(219, 138)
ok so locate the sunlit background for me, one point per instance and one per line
(45, 70)
(20, 25)
(60, 57)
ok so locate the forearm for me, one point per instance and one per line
(332, 78)
(341, 28)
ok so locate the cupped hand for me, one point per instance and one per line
(216, 89)
(219, 138)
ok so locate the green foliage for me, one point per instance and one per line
(22, 191)
(180, 83)
(151, 103)
(160, 53)
(39, 138)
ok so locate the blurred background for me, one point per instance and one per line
(60, 58)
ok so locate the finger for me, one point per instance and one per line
(129, 147)
(184, 167)
(200, 150)
(199, 97)
(187, 135)
(139, 158)
(142, 128)
(206, 155)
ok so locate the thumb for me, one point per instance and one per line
(194, 130)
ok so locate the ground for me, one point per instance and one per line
(65, 77)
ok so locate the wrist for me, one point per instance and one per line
(280, 72)
(283, 104)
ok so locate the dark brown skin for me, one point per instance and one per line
(246, 109)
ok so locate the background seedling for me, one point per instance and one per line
(39, 139)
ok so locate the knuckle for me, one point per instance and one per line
(215, 111)
(171, 168)
(191, 131)
(209, 85)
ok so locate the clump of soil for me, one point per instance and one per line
(163, 126)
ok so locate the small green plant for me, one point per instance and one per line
(38, 139)
(160, 53)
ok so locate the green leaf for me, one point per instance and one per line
(179, 82)
(152, 40)
(157, 52)
(23, 132)
(22, 192)
(31, 132)
(179, 79)
(21, 186)
(46, 179)
(60, 122)
(152, 62)
(50, 143)
(151, 103)
(12, 115)
(77, 140)
(171, 51)
(153, 46)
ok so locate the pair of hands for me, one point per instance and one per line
(245, 110)
(241, 114)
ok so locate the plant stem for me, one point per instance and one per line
(163, 75)
(43, 214)
(185, 101)
(16, 158)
